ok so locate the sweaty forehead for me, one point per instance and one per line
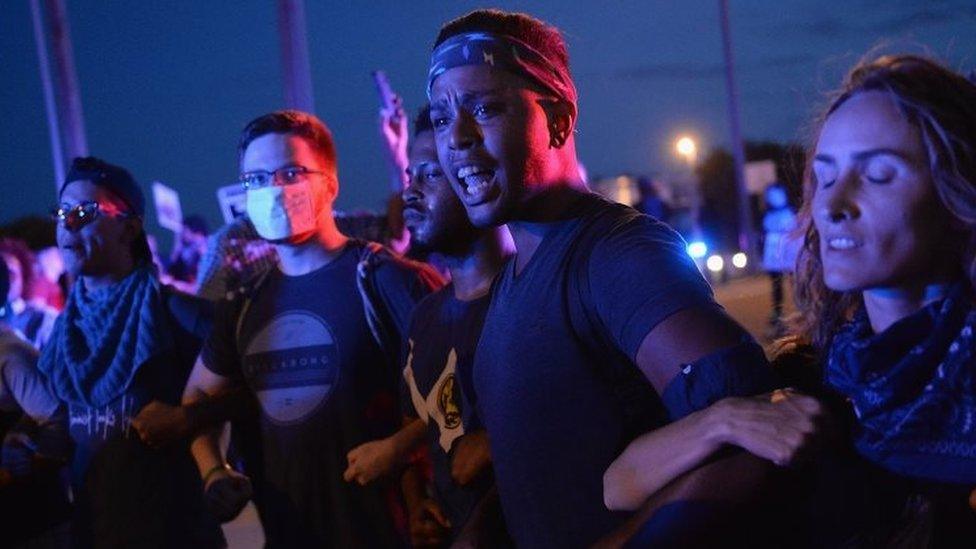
(277, 150)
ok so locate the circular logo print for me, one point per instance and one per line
(291, 363)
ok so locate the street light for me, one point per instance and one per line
(687, 148)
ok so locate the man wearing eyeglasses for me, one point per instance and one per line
(316, 341)
(122, 341)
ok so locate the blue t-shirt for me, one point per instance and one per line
(557, 385)
(324, 386)
(437, 388)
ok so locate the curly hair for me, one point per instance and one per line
(942, 105)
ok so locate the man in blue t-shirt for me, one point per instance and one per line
(437, 398)
(315, 341)
(601, 328)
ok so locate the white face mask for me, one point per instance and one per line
(279, 213)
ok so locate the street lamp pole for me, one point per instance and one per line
(62, 100)
(738, 151)
(686, 147)
(295, 67)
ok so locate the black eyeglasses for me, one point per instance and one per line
(81, 214)
(288, 175)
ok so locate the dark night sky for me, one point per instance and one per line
(167, 86)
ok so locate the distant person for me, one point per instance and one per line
(122, 341)
(50, 267)
(316, 341)
(189, 246)
(32, 319)
(650, 202)
(33, 428)
(236, 258)
(779, 247)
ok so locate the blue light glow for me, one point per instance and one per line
(697, 249)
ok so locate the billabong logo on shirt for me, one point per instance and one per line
(292, 365)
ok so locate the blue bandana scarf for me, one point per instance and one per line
(103, 337)
(913, 389)
(502, 52)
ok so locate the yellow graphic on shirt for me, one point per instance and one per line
(442, 404)
(447, 402)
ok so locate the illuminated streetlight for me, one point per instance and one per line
(697, 249)
(740, 260)
(715, 263)
(687, 148)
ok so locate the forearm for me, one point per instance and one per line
(206, 450)
(656, 458)
(205, 447)
(738, 480)
(205, 411)
(407, 438)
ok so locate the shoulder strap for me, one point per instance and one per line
(378, 318)
(248, 299)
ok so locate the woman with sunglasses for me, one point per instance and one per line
(123, 341)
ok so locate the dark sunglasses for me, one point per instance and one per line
(81, 214)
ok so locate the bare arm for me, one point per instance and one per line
(47, 415)
(732, 479)
(776, 430)
(656, 458)
(202, 384)
(379, 458)
(160, 424)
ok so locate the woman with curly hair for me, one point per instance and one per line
(885, 286)
(885, 289)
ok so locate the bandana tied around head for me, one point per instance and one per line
(502, 52)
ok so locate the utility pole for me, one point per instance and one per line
(295, 67)
(62, 101)
(738, 150)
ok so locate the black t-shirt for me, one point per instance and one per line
(302, 344)
(557, 386)
(437, 388)
(130, 495)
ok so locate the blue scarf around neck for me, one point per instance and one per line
(913, 389)
(104, 336)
